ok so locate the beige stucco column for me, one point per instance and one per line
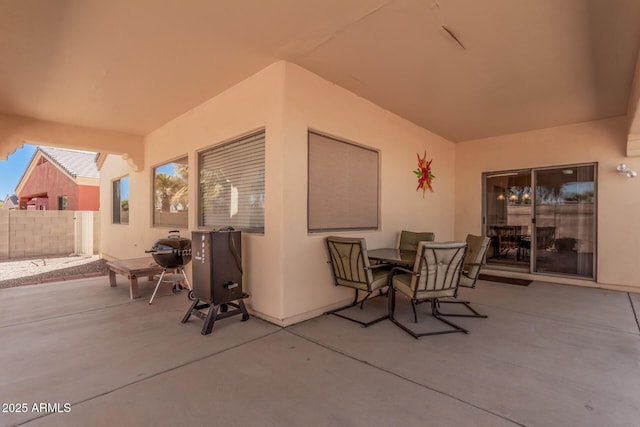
(633, 112)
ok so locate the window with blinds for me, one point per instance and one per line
(231, 189)
(343, 185)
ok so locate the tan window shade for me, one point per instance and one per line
(343, 185)
(231, 189)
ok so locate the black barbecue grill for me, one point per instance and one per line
(217, 277)
(172, 252)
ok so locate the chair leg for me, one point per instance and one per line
(467, 304)
(391, 294)
(363, 299)
(415, 314)
(336, 311)
(434, 310)
(436, 314)
(355, 298)
(391, 300)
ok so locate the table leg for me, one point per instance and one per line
(133, 287)
(112, 278)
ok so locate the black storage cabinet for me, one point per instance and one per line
(217, 266)
(216, 260)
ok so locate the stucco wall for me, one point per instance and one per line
(120, 241)
(601, 141)
(312, 102)
(47, 178)
(285, 269)
(253, 104)
(88, 198)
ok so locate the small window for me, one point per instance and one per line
(171, 194)
(231, 189)
(343, 185)
(62, 203)
(121, 201)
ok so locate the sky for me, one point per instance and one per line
(11, 170)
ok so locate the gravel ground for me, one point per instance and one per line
(44, 270)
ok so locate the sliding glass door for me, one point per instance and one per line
(508, 209)
(565, 210)
(542, 220)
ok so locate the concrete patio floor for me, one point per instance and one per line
(548, 355)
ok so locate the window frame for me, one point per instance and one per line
(154, 210)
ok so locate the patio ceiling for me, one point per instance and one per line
(463, 69)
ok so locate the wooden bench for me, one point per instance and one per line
(133, 268)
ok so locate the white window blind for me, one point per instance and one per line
(231, 189)
(343, 185)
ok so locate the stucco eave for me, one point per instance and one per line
(15, 131)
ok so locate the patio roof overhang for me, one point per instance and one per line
(101, 75)
(16, 131)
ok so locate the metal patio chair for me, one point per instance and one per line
(351, 268)
(477, 247)
(435, 275)
(408, 240)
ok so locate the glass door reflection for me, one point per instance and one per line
(564, 217)
(508, 211)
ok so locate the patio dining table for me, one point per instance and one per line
(393, 256)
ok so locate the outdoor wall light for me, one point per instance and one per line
(623, 169)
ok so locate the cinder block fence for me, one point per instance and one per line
(25, 234)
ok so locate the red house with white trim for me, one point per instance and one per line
(60, 179)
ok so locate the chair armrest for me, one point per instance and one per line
(371, 267)
(404, 270)
(467, 272)
(479, 264)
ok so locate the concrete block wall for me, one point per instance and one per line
(25, 234)
(4, 234)
(41, 233)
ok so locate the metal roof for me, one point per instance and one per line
(76, 163)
